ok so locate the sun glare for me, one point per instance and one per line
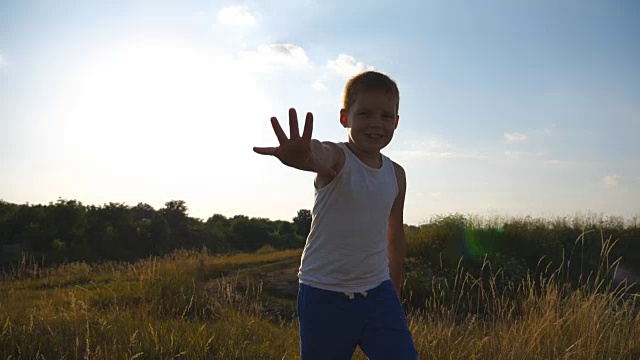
(164, 103)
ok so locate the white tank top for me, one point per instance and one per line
(346, 250)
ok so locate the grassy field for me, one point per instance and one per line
(194, 305)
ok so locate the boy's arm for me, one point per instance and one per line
(395, 234)
(326, 153)
(301, 152)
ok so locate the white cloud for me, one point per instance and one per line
(611, 180)
(457, 155)
(421, 154)
(436, 144)
(436, 195)
(347, 66)
(562, 164)
(550, 130)
(236, 15)
(318, 85)
(515, 137)
(433, 149)
(426, 144)
(274, 56)
(523, 154)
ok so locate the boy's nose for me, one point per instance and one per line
(377, 120)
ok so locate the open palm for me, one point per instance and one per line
(295, 151)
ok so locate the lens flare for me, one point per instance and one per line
(479, 243)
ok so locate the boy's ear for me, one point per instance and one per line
(343, 118)
(397, 121)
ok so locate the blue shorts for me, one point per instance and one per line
(332, 324)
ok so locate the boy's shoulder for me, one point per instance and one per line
(401, 175)
(397, 167)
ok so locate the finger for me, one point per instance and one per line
(265, 150)
(282, 137)
(308, 127)
(294, 132)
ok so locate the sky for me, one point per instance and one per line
(507, 108)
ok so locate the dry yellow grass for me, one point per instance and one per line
(167, 308)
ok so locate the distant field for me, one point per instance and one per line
(194, 305)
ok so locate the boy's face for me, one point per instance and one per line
(371, 120)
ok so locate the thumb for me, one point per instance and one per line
(265, 150)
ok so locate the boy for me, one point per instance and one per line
(353, 257)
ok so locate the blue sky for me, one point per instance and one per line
(507, 107)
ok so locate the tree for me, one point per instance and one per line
(143, 211)
(302, 222)
(175, 213)
(288, 237)
(176, 205)
(286, 228)
(7, 213)
(34, 239)
(249, 234)
(69, 220)
(217, 233)
(218, 220)
(159, 232)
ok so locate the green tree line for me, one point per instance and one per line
(67, 230)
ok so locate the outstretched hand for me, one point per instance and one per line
(295, 151)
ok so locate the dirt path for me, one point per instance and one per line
(279, 278)
(278, 281)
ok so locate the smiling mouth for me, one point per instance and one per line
(374, 136)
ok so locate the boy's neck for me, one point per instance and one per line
(371, 159)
